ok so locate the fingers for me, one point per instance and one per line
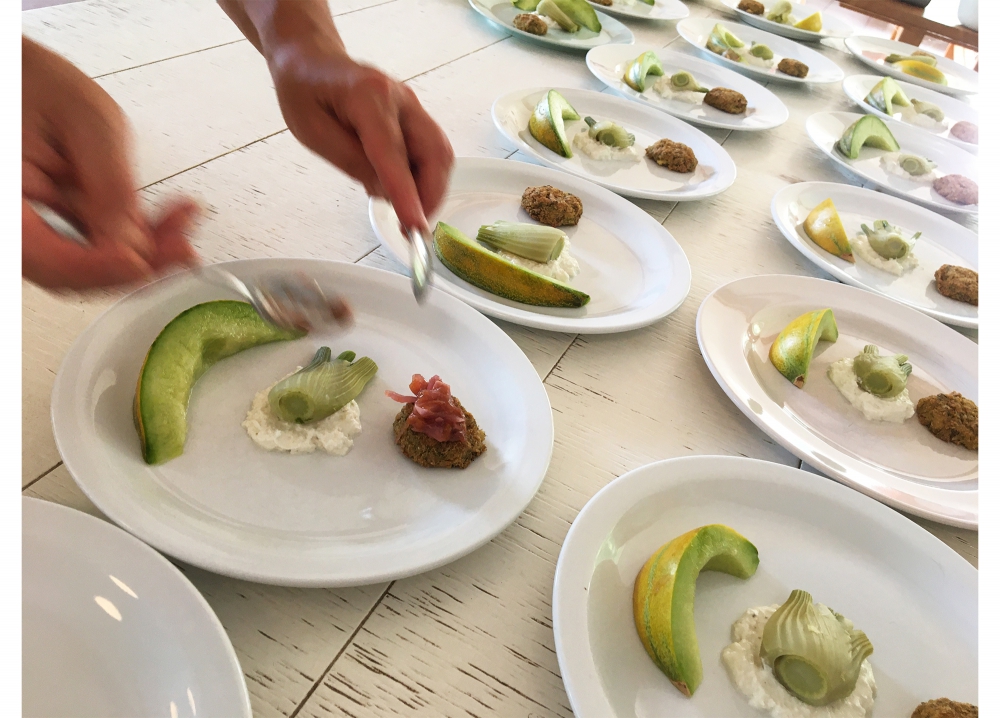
(324, 135)
(170, 234)
(431, 155)
(53, 261)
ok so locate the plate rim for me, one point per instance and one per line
(620, 91)
(193, 552)
(483, 10)
(546, 321)
(877, 492)
(842, 163)
(655, 115)
(853, 40)
(611, 10)
(165, 567)
(612, 501)
(842, 276)
(684, 26)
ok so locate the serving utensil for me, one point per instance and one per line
(289, 301)
(421, 272)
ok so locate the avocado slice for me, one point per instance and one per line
(582, 13)
(191, 343)
(663, 596)
(793, 349)
(487, 270)
(922, 70)
(721, 40)
(547, 122)
(526, 5)
(868, 131)
(551, 9)
(636, 70)
(886, 94)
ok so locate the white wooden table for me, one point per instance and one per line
(473, 638)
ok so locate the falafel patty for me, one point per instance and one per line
(530, 23)
(550, 205)
(958, 283)
(751, 6)
(434, 454)
(726, 100)
(951, 418)
(945, 708)
(958, 189)
(793, 67)
(675, 156)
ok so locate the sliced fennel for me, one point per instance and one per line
(531, 241)
(322, 388)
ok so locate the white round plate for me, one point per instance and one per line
(764, 110)
(832, 27)
(312, 519)
(821, 69)
(637, 9)
(826, 128)
(503, 12)
(714, 174)
(942, 242)
(857, 88)
(111, 628)
(914, 597)
(632, 268)
(903, 465)
(873, 50)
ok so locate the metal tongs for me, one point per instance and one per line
(421, 273)
(293, 301)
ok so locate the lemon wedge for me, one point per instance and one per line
(813, 23)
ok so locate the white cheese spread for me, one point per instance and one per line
(600, 151)
(562, 269)
(863, 248)
(875, 408)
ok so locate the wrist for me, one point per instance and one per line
(295, 30)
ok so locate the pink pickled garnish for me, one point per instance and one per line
(434, 410)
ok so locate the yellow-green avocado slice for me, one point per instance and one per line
(663, 596)
(487, 270)
(191, 343)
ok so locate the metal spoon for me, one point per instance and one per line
(421, 273)
(289, 301)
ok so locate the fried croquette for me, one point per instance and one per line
(951, 418)
(958, 283)
(425, 451)
(528, 22)
(958, 189)
(966, 131)
(793, 67)
(550, 205)
(675, 156)
(945, 708)
(751, 6)
(726, 100)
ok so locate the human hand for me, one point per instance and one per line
(76, 160)
(370, 126)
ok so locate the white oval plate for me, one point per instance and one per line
(502, 13)
(857, 88)
(914, 597)
(826, 128)
(764, 110)
(942, 242)
(832, 27)
(903, 465)
(111, 628)
(714, 174)
(821, 69)
(873, 50)
(307, 520)
(632, 268)
(637, 9)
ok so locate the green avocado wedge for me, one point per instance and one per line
(868, 131)
(526, 5)
(636, 70)
(663, 596)
(191, 343)
(547, 123)
(887, 95)
(479, 266)
(582, 13)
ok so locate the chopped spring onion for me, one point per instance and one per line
(531, 241)
(322, 388)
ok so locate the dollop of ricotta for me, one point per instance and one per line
(755, 680)
(600, 151)
(912, 117)
(745, 56)
(875, 408)
(666, 90)
(334, 434)
(863, 248)
(562, 269)
(890, 163)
